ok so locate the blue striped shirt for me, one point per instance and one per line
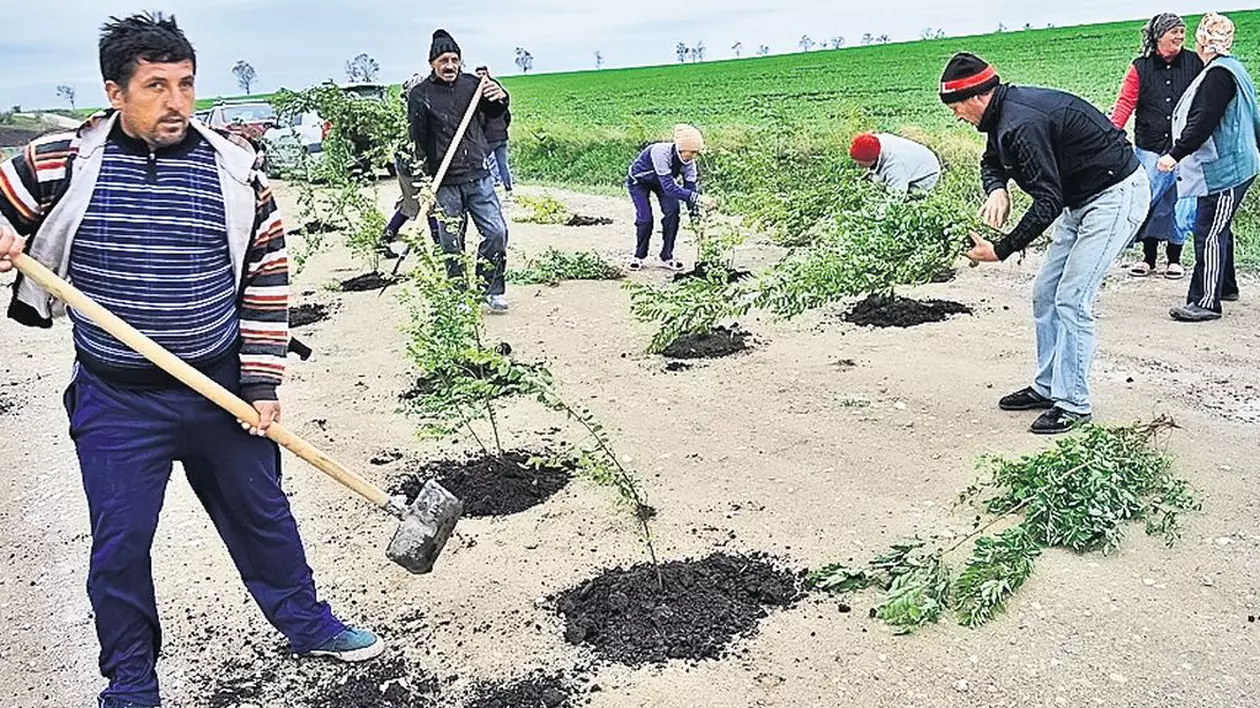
(153, 249)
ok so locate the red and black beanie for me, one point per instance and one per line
(967, 75)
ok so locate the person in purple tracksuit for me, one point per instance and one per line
(656, 171)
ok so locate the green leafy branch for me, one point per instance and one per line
(1079, 495)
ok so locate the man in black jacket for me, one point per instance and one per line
(496, 132)
(435, 107)
(1079, 169)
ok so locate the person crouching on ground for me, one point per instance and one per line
(1080, 170)
(903, 166)
(656, 171)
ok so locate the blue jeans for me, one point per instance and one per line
(126, 440)
(477, 200)
(1087, 239)
(1170, 219)
(497, 163)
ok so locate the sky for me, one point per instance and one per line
(297, 43)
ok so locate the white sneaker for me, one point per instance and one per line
(497, 303)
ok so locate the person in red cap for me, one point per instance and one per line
(901, 165)
(1080, 170)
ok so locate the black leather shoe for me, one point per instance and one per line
(1025, 399)
(1056, 420)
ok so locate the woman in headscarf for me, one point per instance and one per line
(1216, 152)
(1156, 80)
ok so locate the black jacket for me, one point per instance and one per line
(434, 111)
(1057, 147)
(496, 129)
(1161, 84)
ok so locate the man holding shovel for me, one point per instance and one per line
(1080, 170)
(167, 224)
(435, 110)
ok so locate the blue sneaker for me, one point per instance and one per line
(351, 645)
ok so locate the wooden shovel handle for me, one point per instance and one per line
(195, 380)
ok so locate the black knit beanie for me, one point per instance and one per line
(966, 75)
(442, 43)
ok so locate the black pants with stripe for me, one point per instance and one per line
(1214, 248)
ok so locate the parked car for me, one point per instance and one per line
(305, 132)
(251, 119)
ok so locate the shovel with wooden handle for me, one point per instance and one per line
(424, 525)
(430, 195)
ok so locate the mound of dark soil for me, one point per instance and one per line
(490, 486)
(583, 220)
(625, 616)
(273, 679)
(319, 227)
(365, 282)
(702, 270)
(538, 690)
(897, 311)
(717, 343)
(308, 314)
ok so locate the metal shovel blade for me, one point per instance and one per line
(424, 527)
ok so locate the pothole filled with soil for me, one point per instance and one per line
(700, 608)
(718, 342)
(307, 314)
(702, 270)
(490, 486)
(365, 282)
(897, 311)
(538, 690)
(276, 680)
(584, 220)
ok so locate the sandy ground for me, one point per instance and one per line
(779, 450)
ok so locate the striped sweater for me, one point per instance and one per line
(45, 195)
(152, 248)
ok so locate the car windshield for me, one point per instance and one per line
(251, 113)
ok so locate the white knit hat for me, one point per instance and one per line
(687, 137)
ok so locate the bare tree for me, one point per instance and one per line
(682, 50)
(836, 42)
(245, 75)
(763, 50)
(867, 38)
(737, 48)
(65, 91)
(940, 34)
(927, 33)
(524, 60)
(362, 69)
(806, 43)
(697, 54)
(599, 59)
(882, 39)
(1001, 27)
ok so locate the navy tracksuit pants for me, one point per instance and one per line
(127, 439)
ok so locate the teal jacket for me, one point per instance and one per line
(1232, 155)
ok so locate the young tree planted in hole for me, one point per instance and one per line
(468, 377)
(245, 75)
(362, 69)
(66, 93)
(1079, 494)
